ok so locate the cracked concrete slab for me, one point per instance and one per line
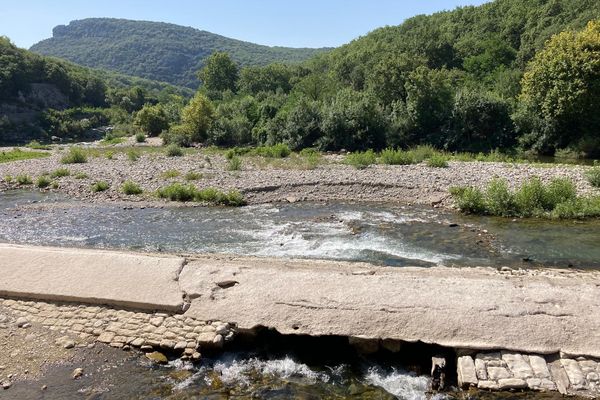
(132, 280)
(542, 311)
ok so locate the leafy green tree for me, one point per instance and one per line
(219, 74)
(353, 121)
(427, 110)
(560, 95)
(302, 124)
(197, 117)
(152, 119)
(265, 79)
(234, 122)
(480, 122)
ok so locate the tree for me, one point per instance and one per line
(197, 117)
(480, 122)
(152, 119)
(219, 74)
(560, 95)
(265, 79)
(353, 121)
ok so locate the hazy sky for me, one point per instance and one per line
(296, 23)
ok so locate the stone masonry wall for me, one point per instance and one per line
(122, 328)
(509, 371)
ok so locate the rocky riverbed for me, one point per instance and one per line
(263, 180)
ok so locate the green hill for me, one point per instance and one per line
(155, 50)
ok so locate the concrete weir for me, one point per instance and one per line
(513, 329)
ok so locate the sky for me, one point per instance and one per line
(294, 23)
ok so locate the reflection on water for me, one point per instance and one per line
(384, 234)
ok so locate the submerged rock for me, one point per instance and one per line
(157, 357)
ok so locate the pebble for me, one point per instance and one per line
(77, 373)
(22, 322)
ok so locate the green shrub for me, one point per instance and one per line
(279, 150)
(131, 188)
(55, 185)
(8, 179)
(215, 196)
(498, 198)
(81, 175)
(192, 176)
(558, 199)
(234, 164)
(110, 155)
(437, 160)
(100, 186)
(361, 159)
(531, 198)
(171, 173)
(23, 179)
(560, 190)
(593, 176)
(178, 192)
(188, 192)
(396, 157)
(140, 137)
(173, 150)
(422, 153)
(43, 181)
(133, 155)
(468, 199)
(34, 144)
(75, 155)
(60, 173)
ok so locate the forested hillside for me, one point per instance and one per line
(43, 96)
(506, 75)
(155, 50)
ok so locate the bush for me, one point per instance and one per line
(188, 192)
(140, 137)
(23, 179)
(131, 188)
(361, 159)
(438, 161)
(100, 186)
(396, 157)
(234, 164)
(34, 144)
(469, 199)
(558, 199)
(279, 150)
(593, 176)
(75, 155)
(499, 200)
(43, 181)
(173, 150)
(423, 152)
(81, 175)
(531, 198)
(178, 192)
(192, 176)
(60, 173)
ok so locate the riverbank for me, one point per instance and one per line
(262, 180)
(473, 311)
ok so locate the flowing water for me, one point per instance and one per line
(377, 233)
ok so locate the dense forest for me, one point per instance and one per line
(43, 96)
(505, 75)
(155, 50)
(508, 75)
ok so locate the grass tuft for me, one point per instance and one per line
(131, 188)
(361, 159)
(76, 155)
(100, 186)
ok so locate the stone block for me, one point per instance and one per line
(466, 372)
